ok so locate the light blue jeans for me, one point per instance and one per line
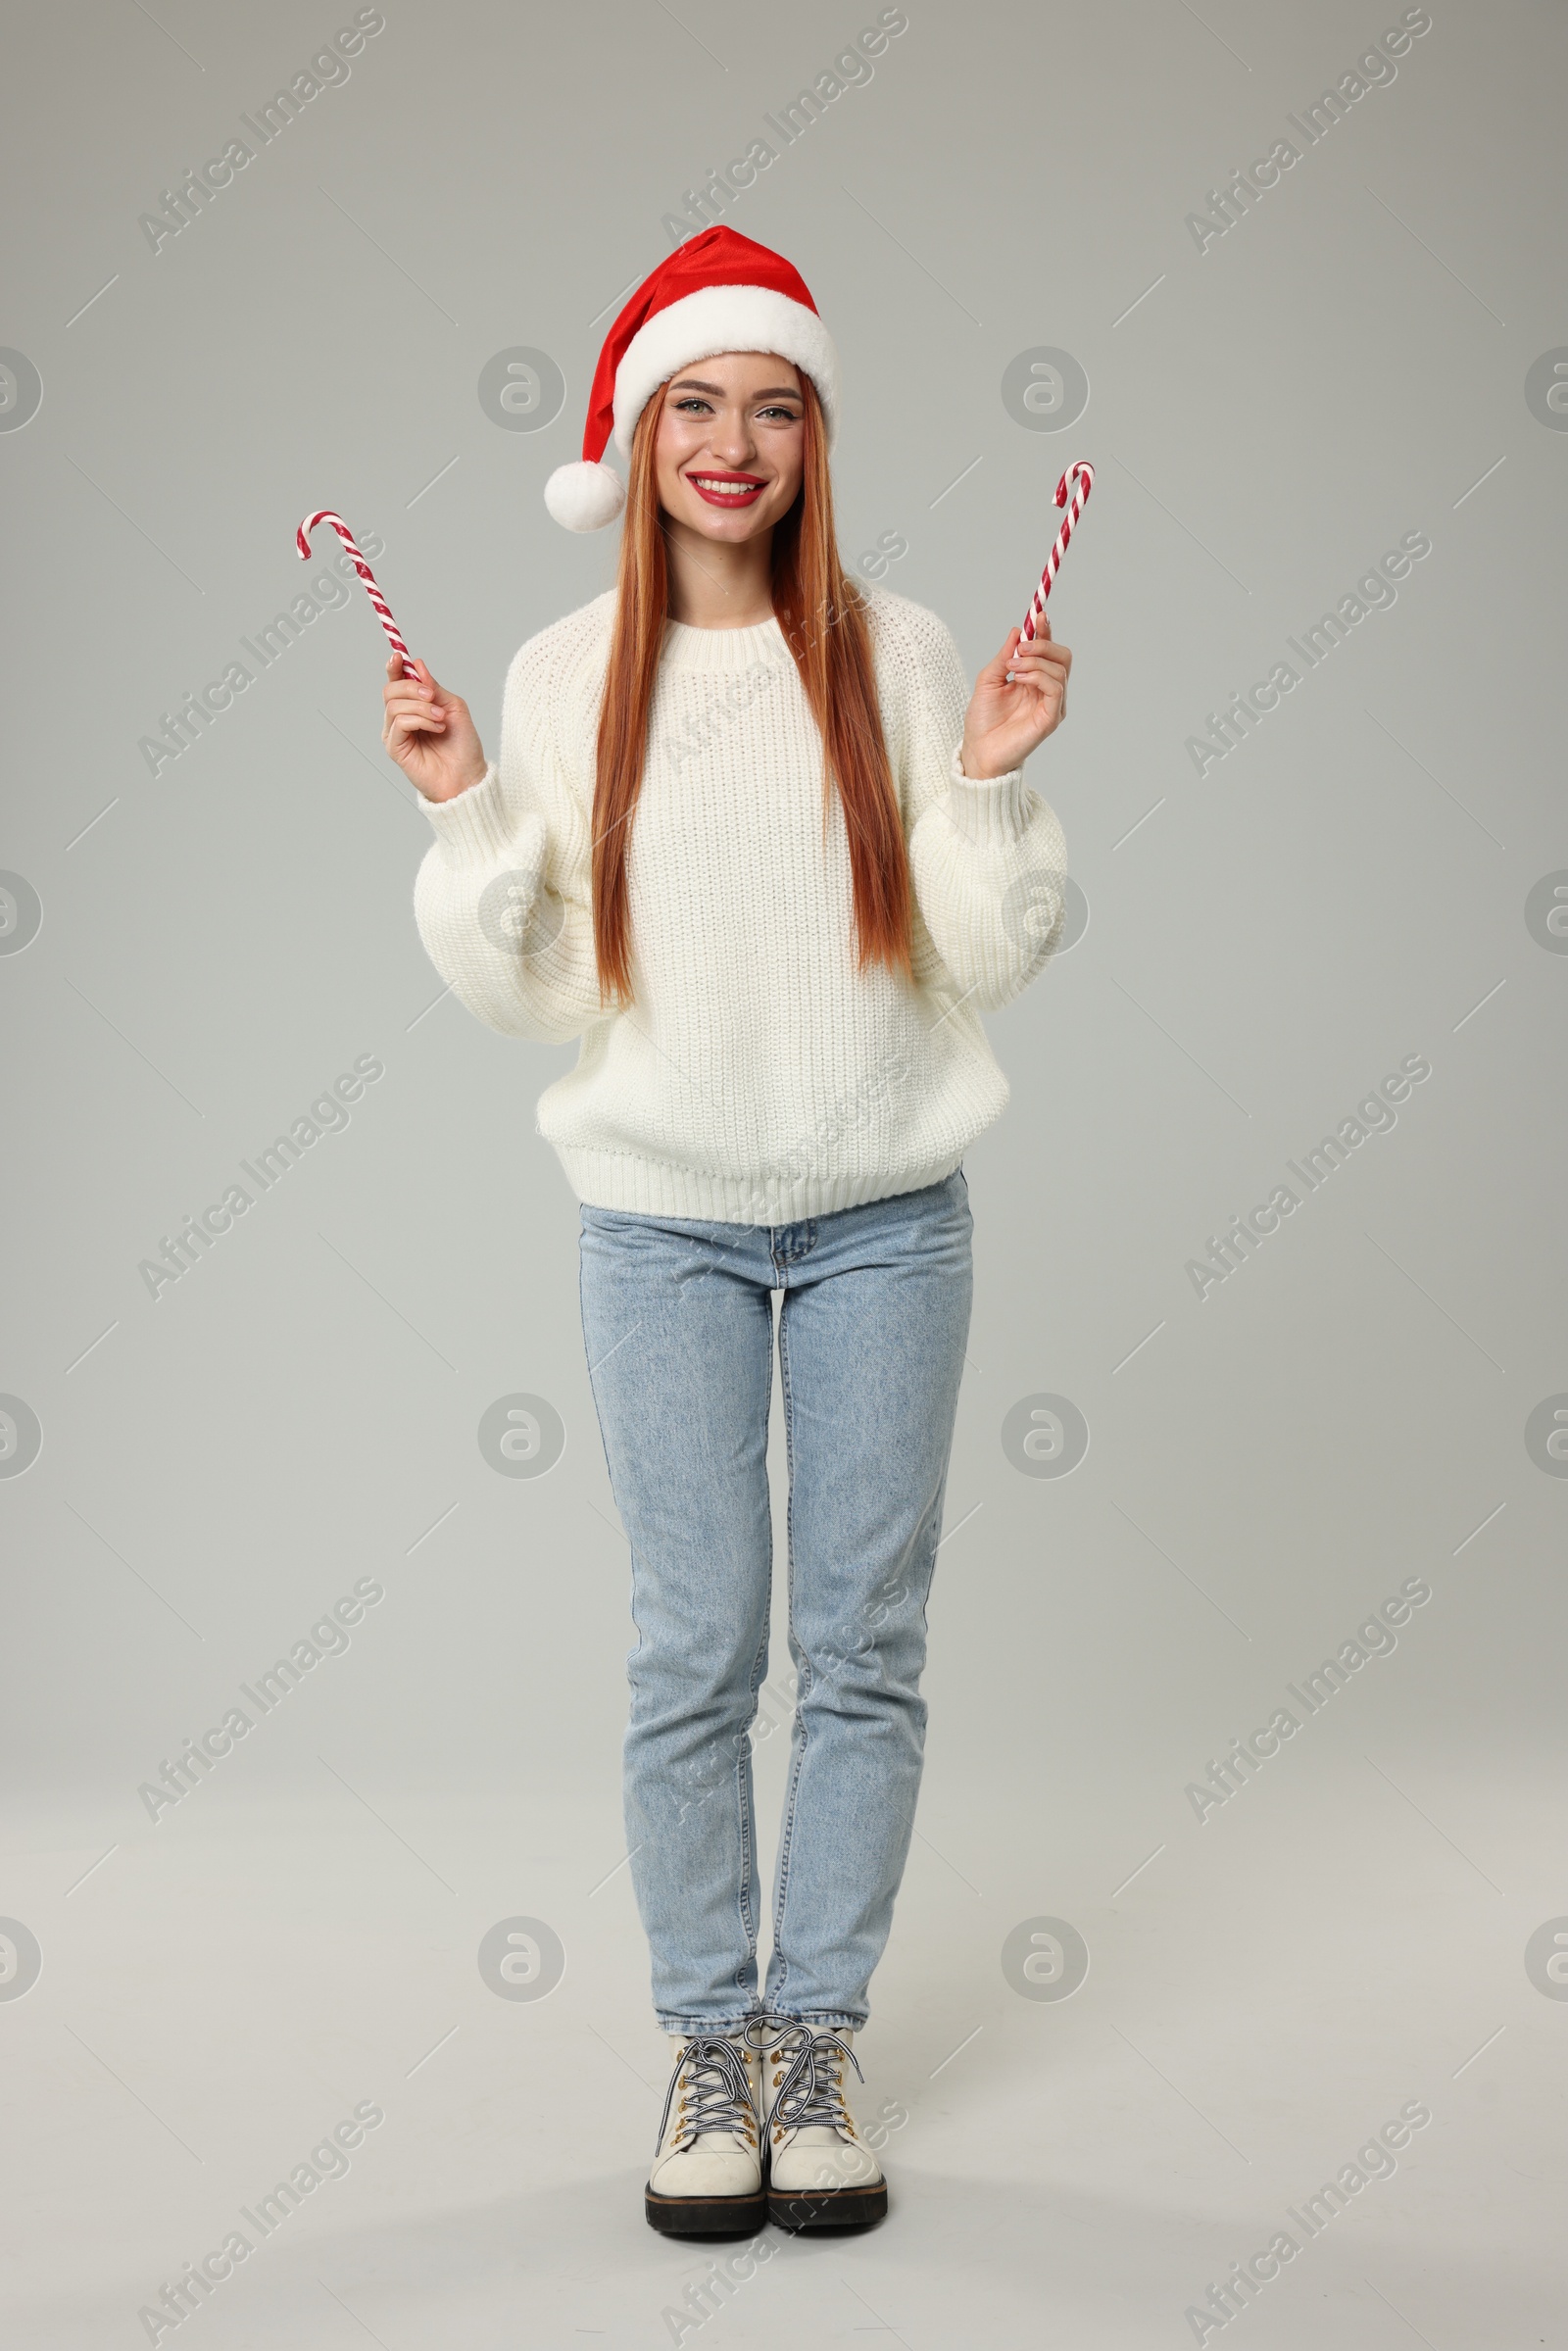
(678, 1322)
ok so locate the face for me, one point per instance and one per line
(730, 446)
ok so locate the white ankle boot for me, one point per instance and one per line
(707, 2175)
(821, 2173)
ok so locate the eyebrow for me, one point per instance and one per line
(693, 383)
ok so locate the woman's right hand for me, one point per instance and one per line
(429, 733)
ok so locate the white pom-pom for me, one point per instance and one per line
(585, 497)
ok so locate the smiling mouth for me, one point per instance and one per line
(727, 489)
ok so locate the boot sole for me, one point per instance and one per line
(828, 2208)
(706, 2216)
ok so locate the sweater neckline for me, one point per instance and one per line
(762, 646)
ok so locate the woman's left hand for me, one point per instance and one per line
(1004, 722)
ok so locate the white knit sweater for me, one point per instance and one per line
(758, 1077)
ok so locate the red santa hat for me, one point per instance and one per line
(717, 292)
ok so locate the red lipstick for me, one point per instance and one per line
(699, 478)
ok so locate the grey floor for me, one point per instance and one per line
(1267, 1993)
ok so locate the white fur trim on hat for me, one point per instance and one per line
(718, 318)
(585, 497)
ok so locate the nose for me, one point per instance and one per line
(732, 441)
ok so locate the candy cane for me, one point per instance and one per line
(383, 610)
(1082, 476)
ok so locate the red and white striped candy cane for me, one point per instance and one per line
(383, 610)
(1082, 476)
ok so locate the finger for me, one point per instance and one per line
(1012, 661)
(415, 723)
(415, 697)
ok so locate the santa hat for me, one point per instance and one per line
(717, 292)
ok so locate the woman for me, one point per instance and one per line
(754, 843)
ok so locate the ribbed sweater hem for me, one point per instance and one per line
(641, 1187)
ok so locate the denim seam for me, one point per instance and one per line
(802, 1661)
(669, 2020)
(745, 1831)
(744, 1798)
(745, 1801)
(610, 1474)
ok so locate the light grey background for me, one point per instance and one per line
(1265, 1464)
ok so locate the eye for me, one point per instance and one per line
(788, 415)
(693, 400)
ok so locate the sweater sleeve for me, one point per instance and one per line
(987, 857)
(504, 897)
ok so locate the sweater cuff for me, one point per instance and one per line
(990, 811)
(472, 827)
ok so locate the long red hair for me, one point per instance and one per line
(823, 619)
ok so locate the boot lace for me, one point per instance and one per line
(811, 2092)
(715, 2091)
